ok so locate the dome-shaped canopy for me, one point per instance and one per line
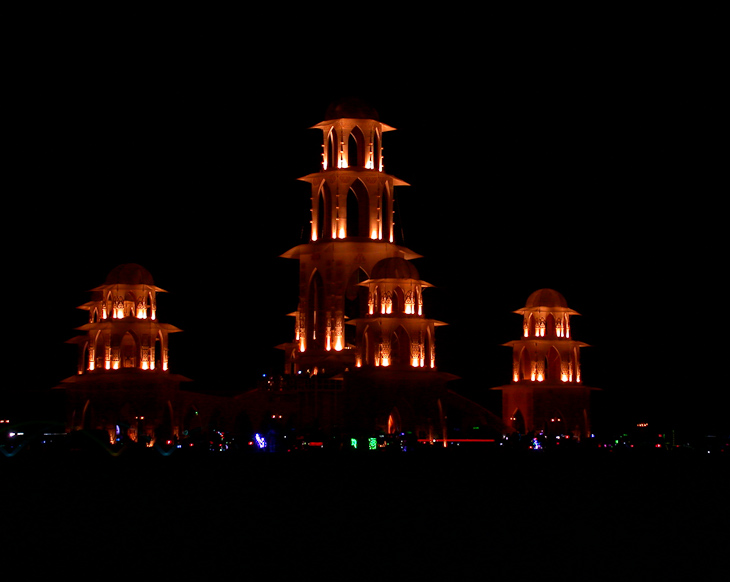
(546, 298)
(394, 268)
(129, 274)
(352, 107)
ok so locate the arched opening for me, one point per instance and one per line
(376, 150)
(128, 351)
(400, 348)
(525, 365)
(356, 148)
(99, 351)
(157, 347)
(130, 305)
(88, 420)
(386, 212)
(332, 150)
(84, 364)
(323, 217)
(553, 365)
(428, 350)
(399, 303)
(550, 326)
(370, 342)
(356, 302)
(151, 307)
(358, 210)
(530, 326)
(353, 214)
(315, 321)
(517, 421)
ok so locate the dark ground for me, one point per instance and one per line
(419, 516)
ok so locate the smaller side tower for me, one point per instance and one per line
(547, 394)
(394, 331)
(123, 330)
(123, 386)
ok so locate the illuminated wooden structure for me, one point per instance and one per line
(360, 325)
(123, 386)
(547, 393)
(352, 229)
(123, 330)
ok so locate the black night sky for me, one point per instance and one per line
(531, 165)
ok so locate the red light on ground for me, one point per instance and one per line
(457, 440)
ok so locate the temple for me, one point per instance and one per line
(123, 389)
(547, 395)
(362, 361)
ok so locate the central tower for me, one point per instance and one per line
(352, 228)
(363, 358)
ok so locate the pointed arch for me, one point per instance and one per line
(399, 301)
(87, 416)
(553, 365)
(332, 150)
(356, 300)
(353, 214)
(356, 148)
(370, 343)
(576, 365)
(323, 227)
(100, 350)
(84, 362)
(315, 318)
(386, 212)
(428, 349)
(517, 421)
(525, 365)
(550, 326)
(129, 350)
(358, 209)
(530, 325)
(376, 149)
(400, 348)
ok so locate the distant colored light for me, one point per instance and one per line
(260, 441)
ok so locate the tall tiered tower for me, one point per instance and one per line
(363, 358)
(352, 230)
(547, 393)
